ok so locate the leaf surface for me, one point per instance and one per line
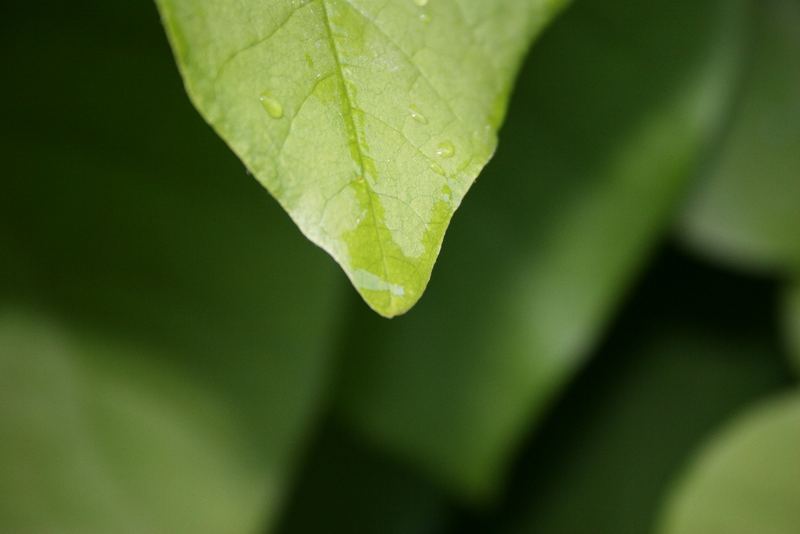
(597, 150)
(747, 208)
(746, 478)
(368, 120)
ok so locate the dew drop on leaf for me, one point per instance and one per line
(438, 169)
(421, 3)
(273, 108)
(445, 149)
(417, 115)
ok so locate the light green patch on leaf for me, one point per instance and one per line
(746, 479)
(747, 209)
(368, 120)
(596, 155)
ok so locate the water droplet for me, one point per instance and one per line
(417, 115)
(421, 3)
(425, 18)
(445, 149)
(435, 167)
(271, 106)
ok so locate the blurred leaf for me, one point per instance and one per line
(693, 348)
(367, 120)
(746, 210)
(349, 488)
(100, 437)
(746, 479)
(127, 217)
(612, 111)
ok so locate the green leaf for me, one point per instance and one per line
(597, 151)
(792, 322)
(746, 209)
(104, 437)
(368, 120)
(667, 376)
(134, 222)
(746, 479)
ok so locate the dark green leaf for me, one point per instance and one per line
(746, 480)
(747, 210)
(668, 375)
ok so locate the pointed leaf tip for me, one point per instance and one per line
(367, 121)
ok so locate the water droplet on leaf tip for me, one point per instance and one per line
(273, 108)
(424, 17)
(445, 149)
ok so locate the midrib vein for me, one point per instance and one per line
(352, 132)
(347, 115)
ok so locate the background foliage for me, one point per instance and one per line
(614, 310)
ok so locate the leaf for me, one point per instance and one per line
(745, 480)
(597, 151)
(101, 437)
(368, 120)
(666, 377)
(746, 209)
(127, 220)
